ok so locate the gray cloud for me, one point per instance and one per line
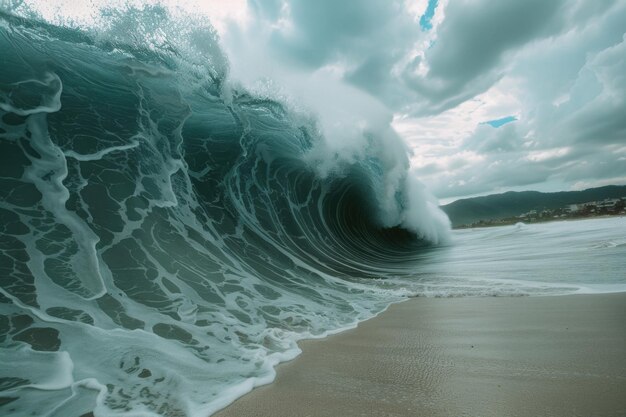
(266, 9)
(572, 125)
(603, 119)
(487, 139)
(465, 59)
(328, 31)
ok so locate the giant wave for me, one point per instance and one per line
(168, 236)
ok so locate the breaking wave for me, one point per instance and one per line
(167, 236)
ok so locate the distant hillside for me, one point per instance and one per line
(510, 204)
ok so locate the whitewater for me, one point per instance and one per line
(169, 235)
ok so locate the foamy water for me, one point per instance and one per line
(566, 257)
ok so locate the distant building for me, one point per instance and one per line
(608, 203)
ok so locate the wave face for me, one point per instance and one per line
(166, 237)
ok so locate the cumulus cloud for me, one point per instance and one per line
(569, 96)
(363, 40)
(487, 139)
(472, 42)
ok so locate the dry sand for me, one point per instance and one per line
(527, 356)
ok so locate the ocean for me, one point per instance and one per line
(168, 236)
(555, 258)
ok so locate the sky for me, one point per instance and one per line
(489, 96)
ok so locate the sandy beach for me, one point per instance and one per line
(525, 356)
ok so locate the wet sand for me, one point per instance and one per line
(526, 356)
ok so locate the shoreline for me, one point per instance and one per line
(512, 223)
(498, 356)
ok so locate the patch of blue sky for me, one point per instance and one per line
(500, 122)
(425, 20)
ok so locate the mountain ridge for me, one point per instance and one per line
(514, 203)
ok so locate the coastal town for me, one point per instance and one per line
(606, 207)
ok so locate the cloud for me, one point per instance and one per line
(603, 119)
(369, 42)
(570, 91)
(317, 33)
(467, 56)
(490, 139)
